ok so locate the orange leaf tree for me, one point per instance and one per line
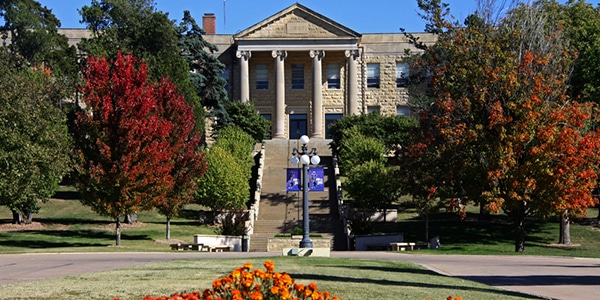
(135, 142)
(498, 122)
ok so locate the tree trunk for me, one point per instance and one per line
(483, 213)
(426, 227)
(130, 218)
(168, 228)
(565, 230)
(519, 219)
(17, 218)
(118, 228)
(28, 217)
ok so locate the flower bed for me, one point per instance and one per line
(244, 283)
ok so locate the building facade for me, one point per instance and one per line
(304, 71)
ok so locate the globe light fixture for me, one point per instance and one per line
(305, 157)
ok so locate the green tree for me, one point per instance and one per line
(393, 131)
(135, 26)
(206, 67)
(372, 185)
(224, 186)
(239, 143)
(34, 36)
(246, 117)
(34, 153)
(357, 148)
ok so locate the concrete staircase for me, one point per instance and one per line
(281, 211)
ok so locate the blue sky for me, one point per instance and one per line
(375, 16)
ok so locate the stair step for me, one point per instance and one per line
(281, 211)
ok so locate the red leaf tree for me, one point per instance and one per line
(497, 120)
(135, 143)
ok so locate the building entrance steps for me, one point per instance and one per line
(281, 211)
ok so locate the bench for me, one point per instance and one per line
(192, 247)
(402, 246)
(220, 248)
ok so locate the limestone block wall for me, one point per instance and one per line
(387, 96)
(278, 244)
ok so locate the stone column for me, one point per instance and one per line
(317, 91)
(352, 87)
(279, 56)
(244, 77)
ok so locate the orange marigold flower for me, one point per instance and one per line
(256, 295)
(270, 266)
(312, 286)
(274, 290)
(248, 266)
(299, 287)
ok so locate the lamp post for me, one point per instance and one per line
(306, 157)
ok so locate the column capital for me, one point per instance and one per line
(354, 54)
(281, 54)
(245, 54)
(319, 54)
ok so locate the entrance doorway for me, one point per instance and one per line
(298, 126)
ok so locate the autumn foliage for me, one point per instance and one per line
(498, 123)
(136, 144)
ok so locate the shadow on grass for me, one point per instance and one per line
(399, 283)
(40, 239)
(538, 280)
(454, 231)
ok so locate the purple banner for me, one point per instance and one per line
(293, 179)
(315, 179)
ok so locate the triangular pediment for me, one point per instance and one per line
(297, 22)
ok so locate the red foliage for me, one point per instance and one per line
(135, 139)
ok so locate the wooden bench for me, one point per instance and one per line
(402, 246)
(220, 248)
(192, 247)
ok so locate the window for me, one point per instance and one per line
(225, 76)
(373, 109)
(330, 119)
(401, 74)
(402, 110)
(373, 75)
(333, 76)
(297, 77)
(262, 77)
(298, 126)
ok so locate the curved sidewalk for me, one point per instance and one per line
(547, 277)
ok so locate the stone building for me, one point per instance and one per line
(304, 71)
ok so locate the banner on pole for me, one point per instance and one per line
(293, 180)
(316, 180)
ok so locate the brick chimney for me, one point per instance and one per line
(209, 23)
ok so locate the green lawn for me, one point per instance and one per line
(348, 279)
(65, 225)
(495, 236)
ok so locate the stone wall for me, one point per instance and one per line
(278, 244)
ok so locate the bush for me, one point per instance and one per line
(234, 224)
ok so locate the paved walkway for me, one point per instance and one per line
(547, 277)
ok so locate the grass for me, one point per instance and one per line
(495, 236)
(68, 226)
(348, 279)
